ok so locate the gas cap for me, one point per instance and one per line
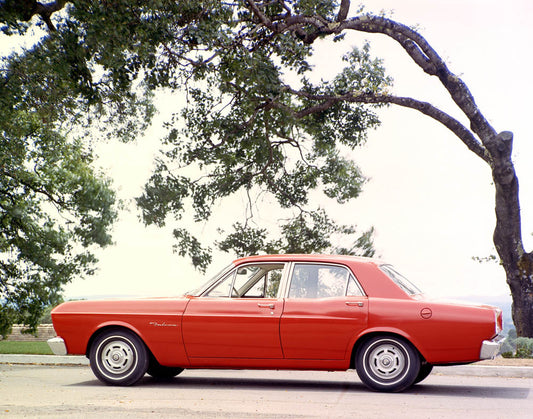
(426, 313)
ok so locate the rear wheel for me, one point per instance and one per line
(425, 370)
(387, 363)
(118, 357)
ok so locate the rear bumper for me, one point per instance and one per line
(57, 345)
(490, 348)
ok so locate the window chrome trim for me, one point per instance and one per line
(215, 279)
(338, 265)
(223, 278)
(400, 280)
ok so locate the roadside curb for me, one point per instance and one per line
(43, 359)
(486, 371)
(468, 370)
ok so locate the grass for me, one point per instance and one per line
(33, 348)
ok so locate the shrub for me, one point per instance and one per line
(517, 347)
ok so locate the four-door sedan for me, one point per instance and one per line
(299, 312)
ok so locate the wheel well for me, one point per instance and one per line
(368, 336)
(113, 327)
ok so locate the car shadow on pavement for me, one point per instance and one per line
(470, 391)
(229, 383)
(273, 384)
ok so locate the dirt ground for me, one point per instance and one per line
(510, 362)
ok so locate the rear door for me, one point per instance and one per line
(324, 310)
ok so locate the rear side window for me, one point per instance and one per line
(322, 281)
(407, 286)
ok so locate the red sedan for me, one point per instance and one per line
(299, 312)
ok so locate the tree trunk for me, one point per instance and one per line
(518, 264)
(521, 284)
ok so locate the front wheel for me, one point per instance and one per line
(387, 363)
(118, 357)
(160, 372)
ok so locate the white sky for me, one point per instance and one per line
(429, 198)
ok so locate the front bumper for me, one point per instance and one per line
(57, 345)
(490, 348)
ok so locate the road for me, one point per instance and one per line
(72, 391)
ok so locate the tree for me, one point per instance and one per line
(243, 66)
(54, 206)
(142, 29)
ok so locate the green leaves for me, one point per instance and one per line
(342, 179)
(363, 74)
(245, 128)
(163, 194)
(53, 209)
(253, 123)
(188, 245)
(312, 232)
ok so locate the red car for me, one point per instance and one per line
(294, 312)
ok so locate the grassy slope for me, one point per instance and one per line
(34, 348)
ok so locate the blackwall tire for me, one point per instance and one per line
(118, 357)
(425, 370)
(161, 372)
(387, 363)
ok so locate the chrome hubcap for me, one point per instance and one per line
(117, 357)
(387, 361)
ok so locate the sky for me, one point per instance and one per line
(429, 198)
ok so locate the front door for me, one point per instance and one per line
(238, 317)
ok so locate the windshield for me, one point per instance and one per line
(407, 286)
(198, 291)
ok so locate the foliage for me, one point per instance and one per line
(231, 133)
(54, 206)
(307, 233)
(46, 317)
(255, 122)
(517, 347)
(78, 80)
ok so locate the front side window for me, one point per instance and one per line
(250, 281)
(322, 281)
(222, 288)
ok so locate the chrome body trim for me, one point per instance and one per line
(57, 345)
(490, 348)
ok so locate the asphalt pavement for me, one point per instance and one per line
(71, 392)
(464, 370)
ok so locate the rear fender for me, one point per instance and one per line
(368, 333)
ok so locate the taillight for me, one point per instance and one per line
(498, 320)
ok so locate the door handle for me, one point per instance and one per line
(355, 303)
(263, 305)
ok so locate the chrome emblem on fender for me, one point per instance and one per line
(162, 324)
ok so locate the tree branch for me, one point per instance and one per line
(325, 102)
(344, 9)
(411, 41)
(29, 8)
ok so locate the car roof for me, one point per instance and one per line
(308, 258)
